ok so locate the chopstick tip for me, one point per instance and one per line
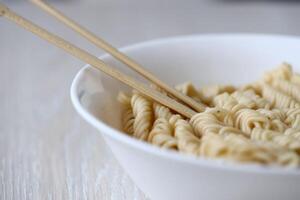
(3, 9)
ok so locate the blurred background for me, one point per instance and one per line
(46, 150)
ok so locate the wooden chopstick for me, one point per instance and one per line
(117, 54)
(95, 62)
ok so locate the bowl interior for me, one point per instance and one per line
(207, 59)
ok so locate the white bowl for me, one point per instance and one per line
(163, 174)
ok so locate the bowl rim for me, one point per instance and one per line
(169, 154)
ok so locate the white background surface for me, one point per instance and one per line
(46, 150)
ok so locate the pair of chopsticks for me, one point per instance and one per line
(99, 64)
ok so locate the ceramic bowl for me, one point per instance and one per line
(201, 59)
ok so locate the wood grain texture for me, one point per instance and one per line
(46, 150)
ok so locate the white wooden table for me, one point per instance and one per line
(46, 150)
